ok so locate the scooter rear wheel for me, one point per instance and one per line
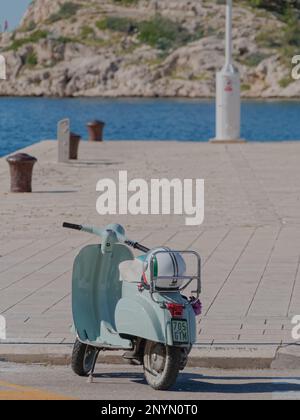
(82, 358)
(161, 365)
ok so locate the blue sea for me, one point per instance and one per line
(24, 121)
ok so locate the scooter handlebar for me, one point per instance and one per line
(84, 228)
(137, 246)
(101, 232)
(72, 226)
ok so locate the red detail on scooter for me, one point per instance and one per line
(145, 279)
(175, 309)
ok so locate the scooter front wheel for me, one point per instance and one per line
(82, 358)
(161, 365)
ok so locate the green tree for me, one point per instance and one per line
(279, 6)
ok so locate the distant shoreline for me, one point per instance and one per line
(187, 98)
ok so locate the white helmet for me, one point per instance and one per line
(167, 264)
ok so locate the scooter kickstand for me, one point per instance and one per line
(91, 376)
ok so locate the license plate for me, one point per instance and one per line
(180, 331)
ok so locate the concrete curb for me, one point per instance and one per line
(233, 357)
(223, 357)
(33, 353)
(287, 357)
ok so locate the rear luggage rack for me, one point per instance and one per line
(187, 279)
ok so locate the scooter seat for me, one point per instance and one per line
(131, 271)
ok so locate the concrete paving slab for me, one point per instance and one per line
(249, 241)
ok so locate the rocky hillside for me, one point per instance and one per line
(146, 48)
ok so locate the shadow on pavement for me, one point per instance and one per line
(79, 163)
(55, 192)
(196, 383)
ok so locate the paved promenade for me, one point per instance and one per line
(249, 242)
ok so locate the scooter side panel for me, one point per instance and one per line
(139, 318)
(96, 291)
(137, 315)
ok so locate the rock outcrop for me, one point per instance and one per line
(95, 48)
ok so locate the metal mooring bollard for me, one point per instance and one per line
(95, 129)
(21, 167)
(74, 145)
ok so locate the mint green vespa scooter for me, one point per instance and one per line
(133, 304)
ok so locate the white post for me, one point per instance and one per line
(63, 139)
(228, 96)
(228, 40)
